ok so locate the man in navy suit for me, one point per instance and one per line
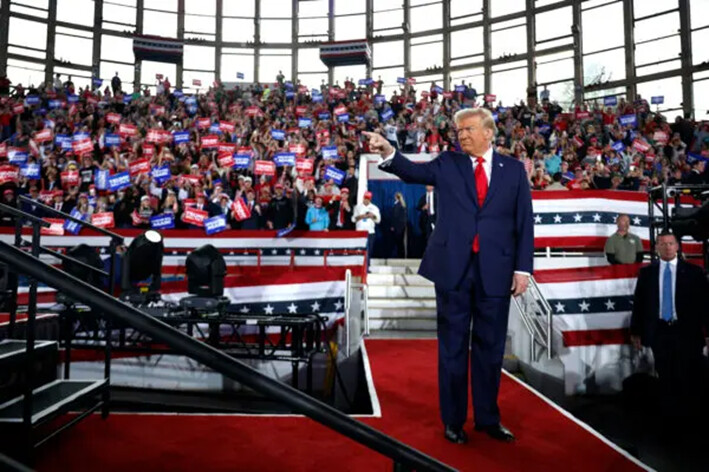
(481, 252)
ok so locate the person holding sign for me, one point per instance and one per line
(480, 253)
(255, 216)
(365, 217)
(341, 211)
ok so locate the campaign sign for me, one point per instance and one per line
(618, 146)
(304, 122)
(72, 227)
(387, 114)
(80, 136)
(379, 99)
(140, 166)
(69, 177)
(290, 94)
(118, 181)
(214, 129)
(545, 129)
(56, 227)
(72, 98)
(240, 211)
(32, 100)
(210, 141)
(400, 80)
(103, 220)
(337, 175)
(203, 123)
(329, 152)
(227, 126)
(225, 160)
(161, 174)
(660, 137)
(242, 161)
(437, 89)
(178, 93)
(343, 118)
(264, 168)
(278, 134)
(101, 179)
(127, 130)
(8, 174)
(113, 118)
(298, 149)
(341, 110)
(610, 101)
(30, 171)
(163, 221)
(17, 156)
(181, 137)
(226, 148)
(582, 115)
(63, 140)
(460, 88)
(284, 159)
(658, 100)
(317, 98)
(18, 109)
(301, 110)
(629, 120)
(490, 97)
(194, 216)
(304, 166)
(54, 104)
(324, 116)
(127, 99)
(215, 224)
(112, 140)
(641, 145)
(447, 94)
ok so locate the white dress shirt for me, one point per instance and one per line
(366, 224)
(673, 269)
(430, 203)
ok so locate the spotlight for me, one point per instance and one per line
(89, 256)
(206, 270)
(692, 222)
(143, 261)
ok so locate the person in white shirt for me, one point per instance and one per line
(365, 217)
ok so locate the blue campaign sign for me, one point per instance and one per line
(112, 140)
(610, 101)
(97, 81)
(30, 171)
(17, 157)
(214, 128)
(629, 120)
(119, 181)
(63, 140)
(438, 89)
(80, 135)
(191, 100)
(127, 98)
(369, 81)
(278, 134)
(658, 100)
(693, 157)
(215, 224)
(242, 161)
(317, 99)
(289, 85)
(314, 92)
(72, 226)
(379, 99)
(181, 137)
(501, 109)
(324, 116)
(337, 175)
(32, 100)
(387, 114)
(362, 82)
(240, 75)
(284, 159)
(343, 118)
(304, 122)
(54, 104)
(618, 146)
(460, 88)
(160, 174)
(401, 80)
(163, 221)
(285, 231)
(329, 152)
(72, 98)
(494, 116)
(178, 93)
(545, 129)
(101, 179)
(290, 94)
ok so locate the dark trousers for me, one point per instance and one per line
(479, 351)
(370, 248)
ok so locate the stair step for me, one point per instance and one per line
(392, 270)
(415, 263)
(393, 291)
(397, 303)
(397, 279)
(51, 400)
(399, 313)
(14, 350)
(406, 324)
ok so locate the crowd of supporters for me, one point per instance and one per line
(263, 155)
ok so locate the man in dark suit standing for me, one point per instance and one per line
(479, 254)
(427, 207)
(671, 316)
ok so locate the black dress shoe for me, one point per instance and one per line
(456, 435)
(497, 431)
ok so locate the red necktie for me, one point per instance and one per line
(481, 185)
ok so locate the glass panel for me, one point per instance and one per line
(611, 17)
(271, 66)
(125, 72)
(465, 7)
(232, 64)
(499, 8)
(355, 72)
(166, 5)
(78, 12)
(644, 7)
(553, 24)
(41, 14)
(510, 87)
(426, 18)
(698, 13)
(309, 61)
(245, 8)
(24, 73)
(472, 77)
(198, 57)
(388, 76)
(44, 4)
(312, 80)
(654, 51)
(388, 54)
(28, 33)
(663, 67)
(425, 82)
(700, 54)
(312, 8)
(237, 30)
(701, 99)
(119, 14)
(276, 31)
(388, 19)
(670, 88)
(656, 27)
(80, 78)
(555, 67)
(601, 67)
(200, 24)
(160, 24)
(350, 27)
(149, 68)
(275, 8)
(426, 55)
(206, 80)
(312, 26)
(117, 48)
(508, 42)
(343, 7)
(201, 7)
(466, 42)
(73, 49)
(562, 93)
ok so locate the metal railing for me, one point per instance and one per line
(536, 315)
(116, 311)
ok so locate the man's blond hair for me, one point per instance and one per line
(482, 113)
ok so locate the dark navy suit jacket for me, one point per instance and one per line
(504, 222)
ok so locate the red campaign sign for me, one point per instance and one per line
(91, 100)
(641, 145)
(265, 168)
(411, 81)
(196, 82)
(82, 146)
(70, 177)
(341, 110)
(103, 220)
(194, 216)
(323, 133)
(304, 166)
(44, 135)
(165, 136)
(154, 136)
(447, 94)
(660, 137)
(46, 196)
(210, 141)
(148, 150)
(203, 123)
(227, 148)
(240, 211)
(135, 217)
(192, 179)
(157, 109)
(227, 126)
(113, 118)
(9, 174)
(301, 110)
(298, 149)
(253, 111)
(578, 141)
(18, 109)
(226, 160)
(158, 76)
(72, 109)
(127, 130)
(490, 97)
(292, 130)
(3, 149)
(141, 166)
(582, 115)
(245, 150)
(56, 227)
(434, 149)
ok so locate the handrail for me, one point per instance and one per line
(65, 258)
(116, 237)
(541, 334)
(115, 310)
(21, 214)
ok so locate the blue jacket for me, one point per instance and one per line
(505, 222)
(319, 214)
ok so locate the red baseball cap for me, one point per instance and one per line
(368, 195)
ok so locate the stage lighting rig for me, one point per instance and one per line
(141, 271)
(206, 270)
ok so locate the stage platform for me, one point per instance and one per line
(404, 396)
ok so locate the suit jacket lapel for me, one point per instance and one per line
(655, 292)
(465, 165)
(497, 170)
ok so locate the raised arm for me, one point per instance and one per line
(395, 163)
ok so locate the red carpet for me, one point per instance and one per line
(404, 373)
